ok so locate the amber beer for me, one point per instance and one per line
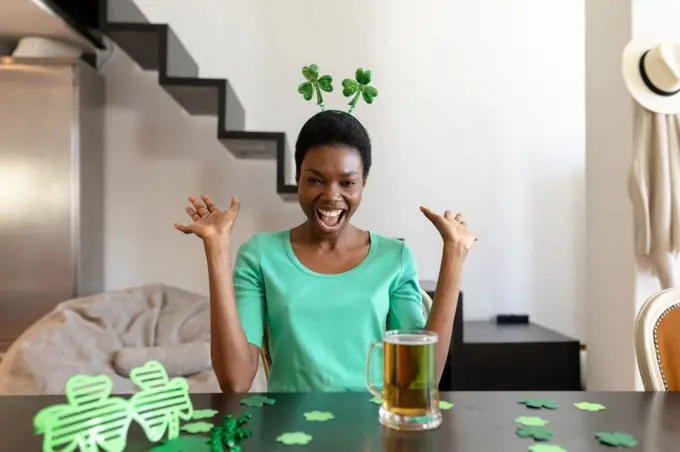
(409, 387)
(410, 399)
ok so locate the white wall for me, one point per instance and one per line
(481, 110)
(610, 278)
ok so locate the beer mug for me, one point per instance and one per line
(410, 397)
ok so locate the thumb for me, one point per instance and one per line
(234, 205)
(182, 228)
(429, 214)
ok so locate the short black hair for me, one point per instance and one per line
(333, 128)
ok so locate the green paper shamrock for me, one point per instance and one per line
(197, 427)
(294, 438)
(546, 448)
(319, 416)
(537, 433)
(531, 421)
(359, 87)
(540, 403)
(587, 406)
(617, 439)
(185, 443)
(90, 419)
(444, 405)
(204, 414)
(257, 401)
(315, 84)
(376, 400)
(160, 403)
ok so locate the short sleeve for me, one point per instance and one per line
(406, 301)
(249, 291)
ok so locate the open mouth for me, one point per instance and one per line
(330, 219)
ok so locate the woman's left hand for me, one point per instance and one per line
(454, 230)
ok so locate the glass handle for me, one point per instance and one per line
(370, 384)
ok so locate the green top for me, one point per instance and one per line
(320, 326)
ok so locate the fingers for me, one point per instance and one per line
(198, 206)
(450, 218)
(192, 214)
(208, 202)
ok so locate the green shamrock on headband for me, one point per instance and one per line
(315, 84)
(359, 87)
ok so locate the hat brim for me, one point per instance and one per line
(630, 66)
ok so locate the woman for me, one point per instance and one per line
(325, 288)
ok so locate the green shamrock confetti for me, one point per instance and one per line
(546, 448)
(294, 438)
(376, 400)
(359, 87)
(616, 439)
(230, 433)
(197, 427)
(540, 403)
(184, 443)
(444, 405)
(204, 414)
(315, 84)
(257, 401)
(530, 421)
(587, 406)
(537, 433)
(319, 416)
(161, 402)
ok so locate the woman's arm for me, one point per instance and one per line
(234, 360)
(457, 241)
(445, 302)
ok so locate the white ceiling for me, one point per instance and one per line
(21, 18)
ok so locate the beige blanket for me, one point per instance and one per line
(108, 334)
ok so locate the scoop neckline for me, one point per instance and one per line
(303, 268)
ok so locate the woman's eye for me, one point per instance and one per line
(314, 180)
(348, 183)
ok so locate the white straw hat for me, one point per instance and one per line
(651, 71)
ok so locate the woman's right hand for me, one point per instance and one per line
(209, 221)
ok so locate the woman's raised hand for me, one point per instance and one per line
(208, 221)
(454, 230)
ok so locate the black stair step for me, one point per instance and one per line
(264, 145)
(198, 96)
(154, 47)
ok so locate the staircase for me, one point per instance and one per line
(155, 47)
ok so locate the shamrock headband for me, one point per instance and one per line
(357, 87)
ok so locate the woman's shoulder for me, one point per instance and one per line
(263, 241)
(389, 245)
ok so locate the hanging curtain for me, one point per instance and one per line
(654, 188)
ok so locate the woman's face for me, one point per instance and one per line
(330, 185)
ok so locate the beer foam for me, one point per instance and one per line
(411, 339)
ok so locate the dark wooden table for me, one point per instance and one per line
(479, 421)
